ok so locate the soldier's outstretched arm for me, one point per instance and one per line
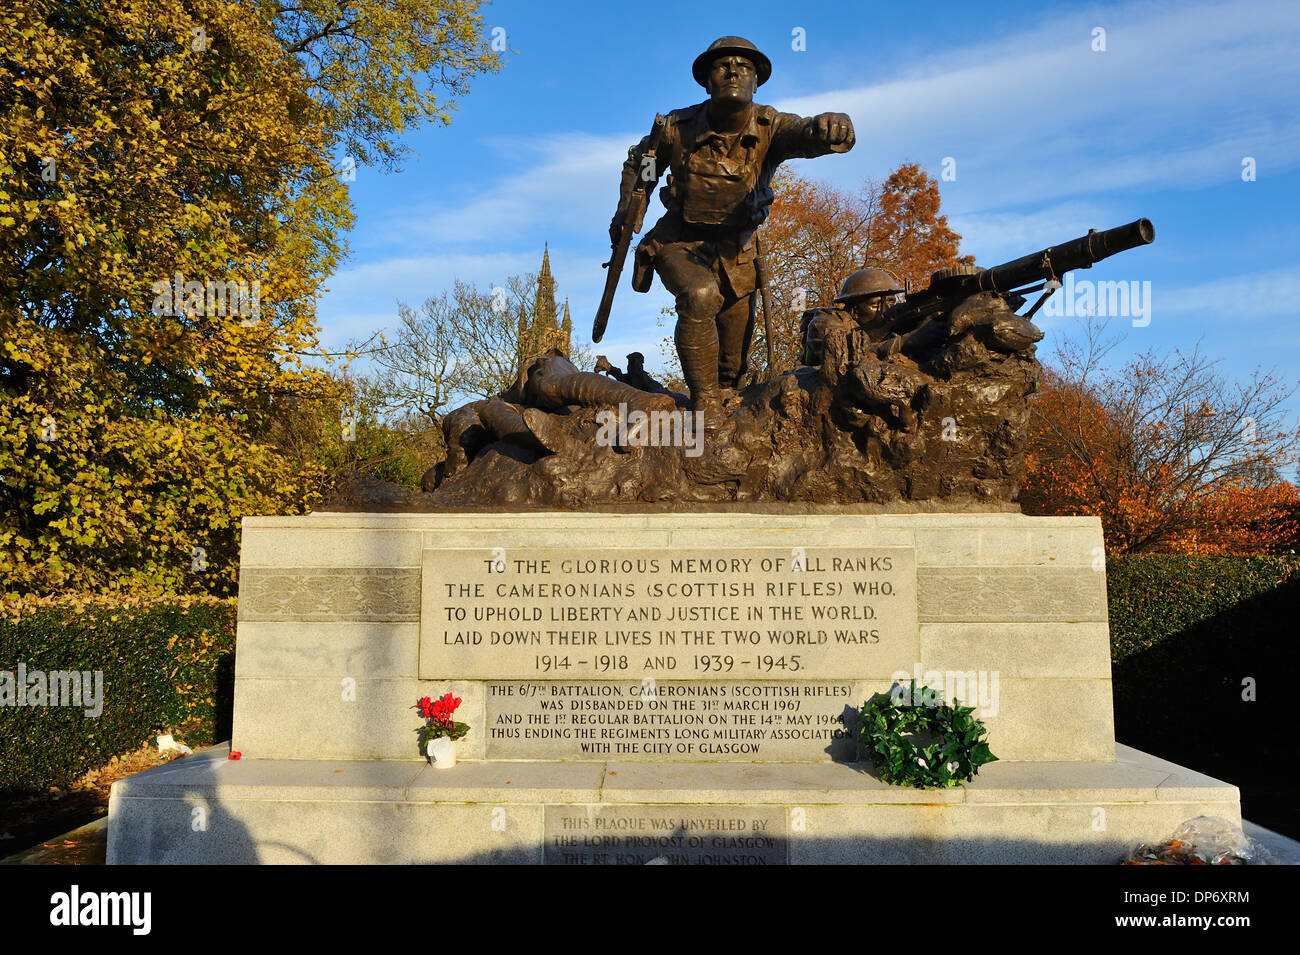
(807, 137)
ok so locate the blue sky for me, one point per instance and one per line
(1049, 138)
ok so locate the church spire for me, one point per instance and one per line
(544, 305)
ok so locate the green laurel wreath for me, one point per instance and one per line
(957, 752)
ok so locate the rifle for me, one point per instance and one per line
(949, 287)
(633, 216)
(760, 271)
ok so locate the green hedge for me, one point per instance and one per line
(1185, 633)
(167, 665)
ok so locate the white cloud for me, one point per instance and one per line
(564, 183)
(1182, 93)
(1241, 298)
(424, 274)
(994, 237)
(363, 299)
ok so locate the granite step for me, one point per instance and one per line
(208, 809)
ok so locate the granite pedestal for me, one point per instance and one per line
(647, 685)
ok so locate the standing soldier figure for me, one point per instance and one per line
(722, 154)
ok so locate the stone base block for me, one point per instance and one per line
(207, 809)
(345, 620)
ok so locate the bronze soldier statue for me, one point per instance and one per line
(865, 297)
(721, 154)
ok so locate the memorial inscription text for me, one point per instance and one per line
(716, 614)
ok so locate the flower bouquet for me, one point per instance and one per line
(441, 731)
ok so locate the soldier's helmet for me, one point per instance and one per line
(867, 282)
(730, 46)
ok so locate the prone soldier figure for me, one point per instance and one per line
(722, 154)
(865, 297)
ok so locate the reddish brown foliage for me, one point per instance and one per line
(1169, 455)
(817, 235)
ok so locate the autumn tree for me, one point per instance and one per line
(457, 346)
(352, 433)
(464, 344)
(170, 206)
(1169, 453)
(378, 67)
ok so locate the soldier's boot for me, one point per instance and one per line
(697, 348)
(735, 332)
(548, 430)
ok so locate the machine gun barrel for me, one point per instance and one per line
(949, 287)
(1054, 262)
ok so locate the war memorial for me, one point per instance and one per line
(662, 614)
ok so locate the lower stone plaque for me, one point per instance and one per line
(733, 720)
(677, 835)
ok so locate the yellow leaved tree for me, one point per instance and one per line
(170, 205)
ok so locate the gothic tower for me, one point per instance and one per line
(544, 303)
(544, 333)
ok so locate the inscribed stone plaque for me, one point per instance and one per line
(681, 835)
(658, 720)
(768, 613)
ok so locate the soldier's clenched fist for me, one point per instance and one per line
(832, 129)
